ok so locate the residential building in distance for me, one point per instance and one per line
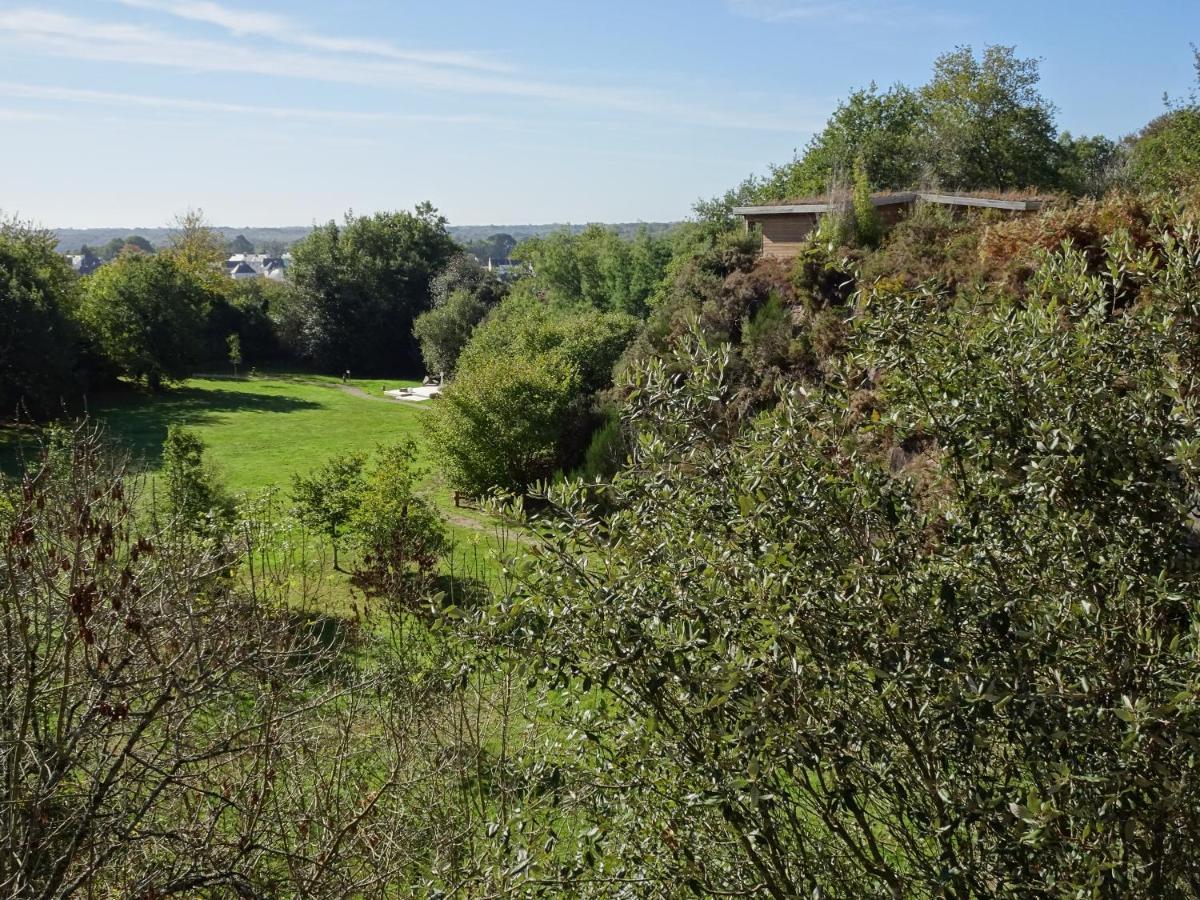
(257, 265)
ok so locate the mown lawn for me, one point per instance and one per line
(261, 432)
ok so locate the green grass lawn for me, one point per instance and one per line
(260, 432)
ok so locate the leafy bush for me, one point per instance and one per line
(500, 422)
(927, 630)
(401, 539)
(444, 330)
(597, 267)
(183, 718)
(146, 315)
(930, 244)
(868, 226)
(1166, 154)
(327, 497)
(520, 407)
(38, 335)
(194, 499)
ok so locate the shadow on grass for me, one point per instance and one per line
(139, 421)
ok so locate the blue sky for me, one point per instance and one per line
(126, 112)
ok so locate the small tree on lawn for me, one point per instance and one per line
(234, 342)
(401, 536)
(326, 499)
(194, 495)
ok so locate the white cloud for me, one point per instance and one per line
(77, 95)
(243, 23)
(882, 13)
(26, 115)
(71, 37)
(782, 11)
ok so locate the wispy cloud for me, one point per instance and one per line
(26, 115)
(861, 12)
(72, 37)
(143, 101)
(284, 30)
(782, 11)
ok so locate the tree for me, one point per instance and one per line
(327, 497)
(1166, 153)
(38, 335)
(519, 407)
(985, 125)
(145, 314)
(234, 343)
(496, 248)
(868, 226)
(193, 499)
(444, 330)
(401, 538)
(880, 127)
(199, 250)
(135, 243)
(241, 244)
(138, 242)
(361, 286)
(462, 273)
(1091, 166)
(598, 267)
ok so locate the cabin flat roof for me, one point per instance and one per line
(819, 205)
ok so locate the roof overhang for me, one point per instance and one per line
(983, 202)
(784, 209)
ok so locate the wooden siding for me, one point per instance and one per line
(783, 235)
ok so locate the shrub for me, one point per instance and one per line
(401, 539)
(930, 244)
(938, 640)
(519, 408)
(38, 335)
(327, 497)
(868, 226)
(183, 718)
(194, 499)
(1010, 249)
(500, 422)
(444, 330)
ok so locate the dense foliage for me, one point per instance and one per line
(1166, 155)
(461, 295)
(179, 718)
(926, 629)
(145, 314)
(361, 285)
(980, 123)
(597, 267)
(38, 334)
(520, 407)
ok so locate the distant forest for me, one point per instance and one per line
(72, 240)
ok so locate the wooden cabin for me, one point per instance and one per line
(786, 227)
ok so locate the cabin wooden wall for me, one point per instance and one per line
(783, 235)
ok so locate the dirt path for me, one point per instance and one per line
(356, 392)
